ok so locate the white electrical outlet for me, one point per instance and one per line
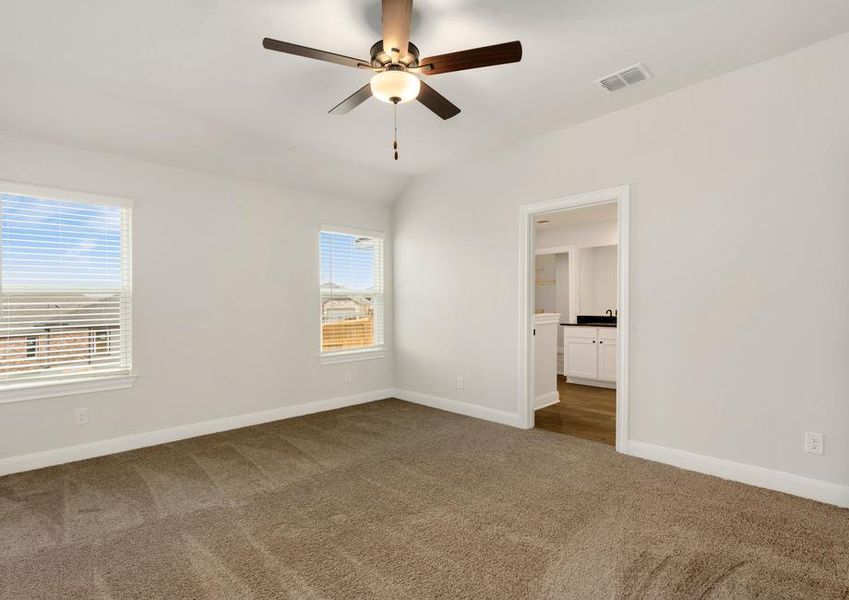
(813, 442)
(81, 416)
(347, 377)
(461, 384)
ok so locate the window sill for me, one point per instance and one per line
(34, 391)
(343, 356)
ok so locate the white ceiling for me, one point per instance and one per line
(577, 216)
(187, 82)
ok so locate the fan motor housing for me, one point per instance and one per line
(380, 59)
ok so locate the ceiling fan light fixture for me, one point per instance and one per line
(395, 86)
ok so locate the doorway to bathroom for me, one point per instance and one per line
(575, 314)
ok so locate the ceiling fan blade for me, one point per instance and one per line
(352, 101)
(396, 27)
(287, 48)
(487, 56)
(436, 102)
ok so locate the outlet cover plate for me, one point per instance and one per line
(814, 442)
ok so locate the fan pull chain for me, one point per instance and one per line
(395, 139)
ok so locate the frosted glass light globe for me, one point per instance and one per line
(391, 85)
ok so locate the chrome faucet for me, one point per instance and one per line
(609, 312)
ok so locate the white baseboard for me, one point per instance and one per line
(37, 460)
(548, 399)
(814, 489)
(797, 485)
(461, 408)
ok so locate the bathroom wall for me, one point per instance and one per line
(597, 280)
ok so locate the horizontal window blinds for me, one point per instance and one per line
(351, 280)
(65, 289)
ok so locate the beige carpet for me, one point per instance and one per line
(393, 500)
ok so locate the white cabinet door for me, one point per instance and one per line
(607, 355)
(581, 357)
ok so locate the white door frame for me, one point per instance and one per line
(527, 253)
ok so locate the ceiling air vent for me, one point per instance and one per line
(624, 78)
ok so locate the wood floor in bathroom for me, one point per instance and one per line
(583, 411)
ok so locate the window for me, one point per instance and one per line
(351, 291)
(64, 288)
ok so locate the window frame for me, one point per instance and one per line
(376, 351)
(34, 389)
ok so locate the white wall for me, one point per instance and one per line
(226, 302)
(725, 176)
(597, 280)
(580, 237)
(603, 233)
(545, 365)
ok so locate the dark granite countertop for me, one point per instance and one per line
(588, 324)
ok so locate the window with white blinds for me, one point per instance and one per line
(65, 290)
(351, 290)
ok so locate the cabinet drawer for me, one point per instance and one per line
(581, 332)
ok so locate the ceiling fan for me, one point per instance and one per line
(395, 63)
